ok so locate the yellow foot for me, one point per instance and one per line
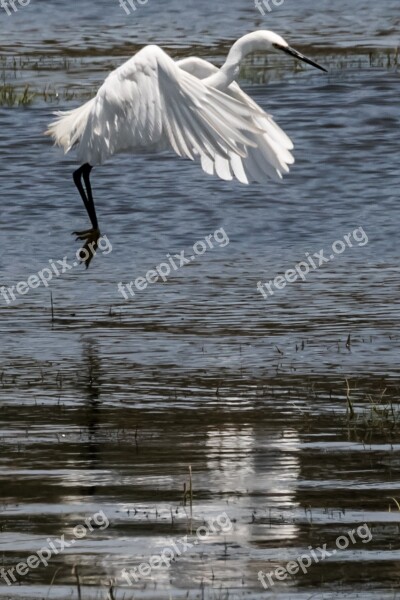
(91, 239)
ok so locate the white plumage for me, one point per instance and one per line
(271, 155)
(149, 104)
(152, 103)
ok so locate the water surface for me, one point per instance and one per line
(106, 406)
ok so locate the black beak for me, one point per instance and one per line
(293, 52)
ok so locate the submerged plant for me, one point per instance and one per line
(12, 96)
(378, 417)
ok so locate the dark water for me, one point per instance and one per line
(108, 406)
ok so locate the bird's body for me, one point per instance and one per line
(153, 104)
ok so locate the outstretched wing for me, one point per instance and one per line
(149, 103)
(270, 154)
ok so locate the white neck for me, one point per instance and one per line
(229, 71)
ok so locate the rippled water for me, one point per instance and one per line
(105, 406)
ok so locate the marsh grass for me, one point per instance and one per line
(25, 79)
(261, 68)
(17, 95)
(12, 96)
(377, 416)
(396, 503)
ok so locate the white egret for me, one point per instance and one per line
(152, 103)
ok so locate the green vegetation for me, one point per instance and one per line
(377, 416)
(25, 79)
(11, 96)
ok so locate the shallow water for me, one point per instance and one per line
(106, 405)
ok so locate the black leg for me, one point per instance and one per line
(84, 171)
(90, 236)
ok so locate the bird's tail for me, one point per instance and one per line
(67, 130)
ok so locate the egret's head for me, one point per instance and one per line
(275, 43)
(264, 41)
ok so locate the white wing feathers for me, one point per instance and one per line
(67, 130)
(270, 154)
(152, 103)
(149, 103)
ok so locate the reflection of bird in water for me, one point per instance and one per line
(91, 389)
(152, 103)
